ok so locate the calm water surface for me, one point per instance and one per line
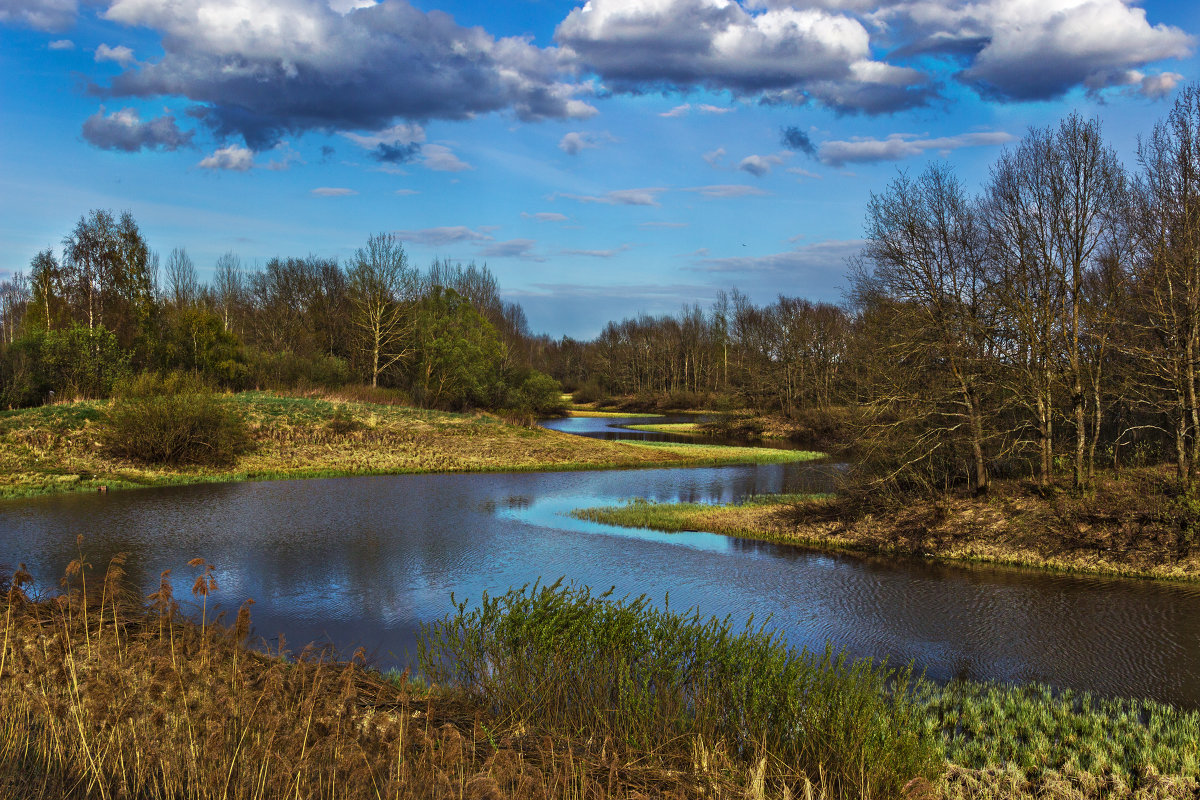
(362, 561)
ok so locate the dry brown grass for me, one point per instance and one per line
(102, 696)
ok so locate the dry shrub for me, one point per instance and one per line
(175, 429)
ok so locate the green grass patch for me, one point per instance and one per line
(654, 681)
(677, 517)
(669, 427)
(588, 412)
(1033, 734)
(730, 454)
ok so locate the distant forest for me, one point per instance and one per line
(1045, 325)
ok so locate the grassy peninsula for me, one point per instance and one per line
(58, 447)
(1135, 525)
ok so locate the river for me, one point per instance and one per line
(363, 560)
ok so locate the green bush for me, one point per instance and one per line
(175, 429)
(651, 679)
(536, 393)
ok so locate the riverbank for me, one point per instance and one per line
(1134, 525)
(104, 696)
(56, 448)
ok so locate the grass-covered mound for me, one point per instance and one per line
(84, 445)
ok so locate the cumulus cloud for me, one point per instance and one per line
(513, 248)
(622, 197)
(1034, 50)
(795, 139)
(1134, 82)
(124, 130)
(440, 237)
(574, 142)
(714, 157)
(726, 190)
(233, 158)
(782, 54)
(120, 54)
(332, 191)
(61, 44)
(265, 69)
(545, 216)
(863, 150)
(793, 52)
(817, 258)
(760, 165)
(45, 15)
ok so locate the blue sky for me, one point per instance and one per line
(602, 158)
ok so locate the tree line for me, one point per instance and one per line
(1042, 325)
(105, 307)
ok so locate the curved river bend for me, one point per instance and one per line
(362, 561)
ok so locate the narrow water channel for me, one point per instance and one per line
(362, 561)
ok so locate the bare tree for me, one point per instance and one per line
(925, 247)
(229, 284)
(1167, 279)
(183, 286)
(382, 287)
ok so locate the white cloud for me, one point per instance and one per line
(714, 157)
(726, 190)
(623, 197)
(61, 44)
(1035, 50)
(333, 191)
(395, 135)
(575, 141)
(820, 258)
(125, 130)
(759, 166)
(439, 237)
(545, 216)
(268, 68)
(513, 248)
(677, 111)
(1134, 82)
(120, 54)
(233, 158)
(46, 15)
(609, 253)
(784, 54)
(442, 159)
(899, 146)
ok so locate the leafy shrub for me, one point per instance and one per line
(536, 393)
(568, 660)
(174, 429)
